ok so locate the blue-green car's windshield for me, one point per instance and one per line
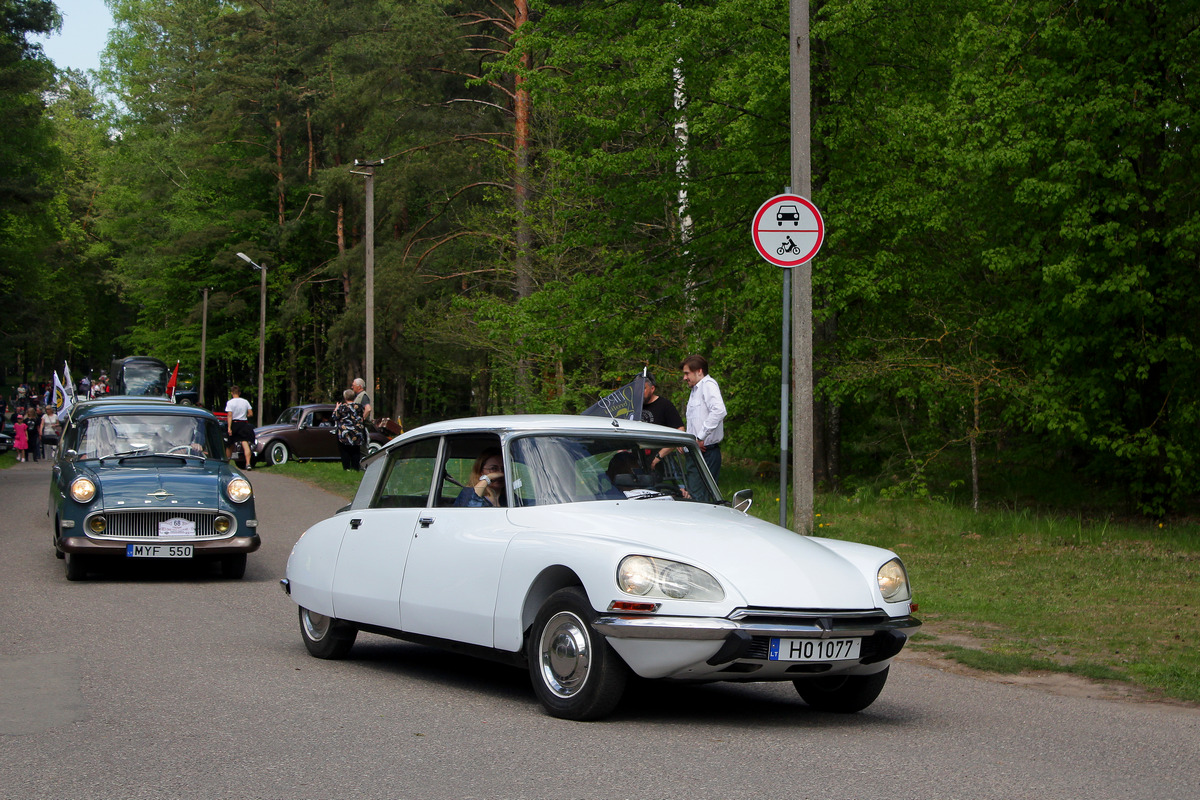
(147, 433)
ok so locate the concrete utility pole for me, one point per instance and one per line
(369, 283)
(203, 345)
(801, 158)
(262, 332)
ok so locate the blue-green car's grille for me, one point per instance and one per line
(144, 524)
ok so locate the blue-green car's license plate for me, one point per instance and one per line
(158, 550)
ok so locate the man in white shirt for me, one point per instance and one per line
(238, 425)
(705, 411)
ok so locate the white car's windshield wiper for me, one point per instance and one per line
(645, 494)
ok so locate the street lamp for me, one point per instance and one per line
(262, 331)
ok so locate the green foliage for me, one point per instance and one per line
(1011, 226)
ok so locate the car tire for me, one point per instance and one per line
(234, 566)
(277, 453)
(841, 694)
(77, 566)
(576, 674)
(373, 448)
(326, 637)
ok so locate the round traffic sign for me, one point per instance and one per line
(788, 230)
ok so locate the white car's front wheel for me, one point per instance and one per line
(576, 674)
(842, 694)
(326, 637)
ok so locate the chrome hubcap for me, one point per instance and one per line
(315, 625)
(566, 654)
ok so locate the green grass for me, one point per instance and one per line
(328, 475)
(1033, 589)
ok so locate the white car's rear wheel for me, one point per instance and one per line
(326, 637)
(576, 675)
(841, 694)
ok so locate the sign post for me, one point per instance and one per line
(788, 231)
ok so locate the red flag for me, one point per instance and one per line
(171, 383)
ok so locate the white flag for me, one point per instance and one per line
(62, 400)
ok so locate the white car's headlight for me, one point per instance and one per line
(893, 582)
(645, 576)
(239, 490)
(83, 490)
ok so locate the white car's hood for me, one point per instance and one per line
(767, 565)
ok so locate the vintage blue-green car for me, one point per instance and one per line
(142, 478)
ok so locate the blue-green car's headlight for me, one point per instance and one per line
(646, 576)
(893, 582)
(238, 490)
(83, 490)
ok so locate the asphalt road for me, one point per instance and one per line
(145, 684)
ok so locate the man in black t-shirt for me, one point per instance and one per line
(659, 410)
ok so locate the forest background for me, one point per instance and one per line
(1006, 298)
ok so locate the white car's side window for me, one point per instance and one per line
(408, 476)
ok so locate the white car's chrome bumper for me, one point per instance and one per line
(696, 647)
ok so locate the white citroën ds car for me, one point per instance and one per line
(586, 549)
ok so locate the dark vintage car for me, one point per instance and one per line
(305, 433)
(143, 478)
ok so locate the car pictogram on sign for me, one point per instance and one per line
(788, 213)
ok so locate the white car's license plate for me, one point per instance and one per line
(158, 550)
(815, 649)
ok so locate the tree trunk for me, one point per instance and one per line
(524, 233)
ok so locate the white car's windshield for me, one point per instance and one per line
(104, 436)
(571, 469)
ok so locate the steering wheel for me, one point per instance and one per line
(185, 449)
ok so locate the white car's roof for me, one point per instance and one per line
(543, 423)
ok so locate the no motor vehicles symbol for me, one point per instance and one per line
(788, 230)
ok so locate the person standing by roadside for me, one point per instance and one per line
(33, 416)
(238, 425)
(362, 399)
(705, 411)
(48, 431)
(658, 411)
(20, 437)
(351, 431)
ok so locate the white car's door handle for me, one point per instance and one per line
(425, 521)
(354, 523)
